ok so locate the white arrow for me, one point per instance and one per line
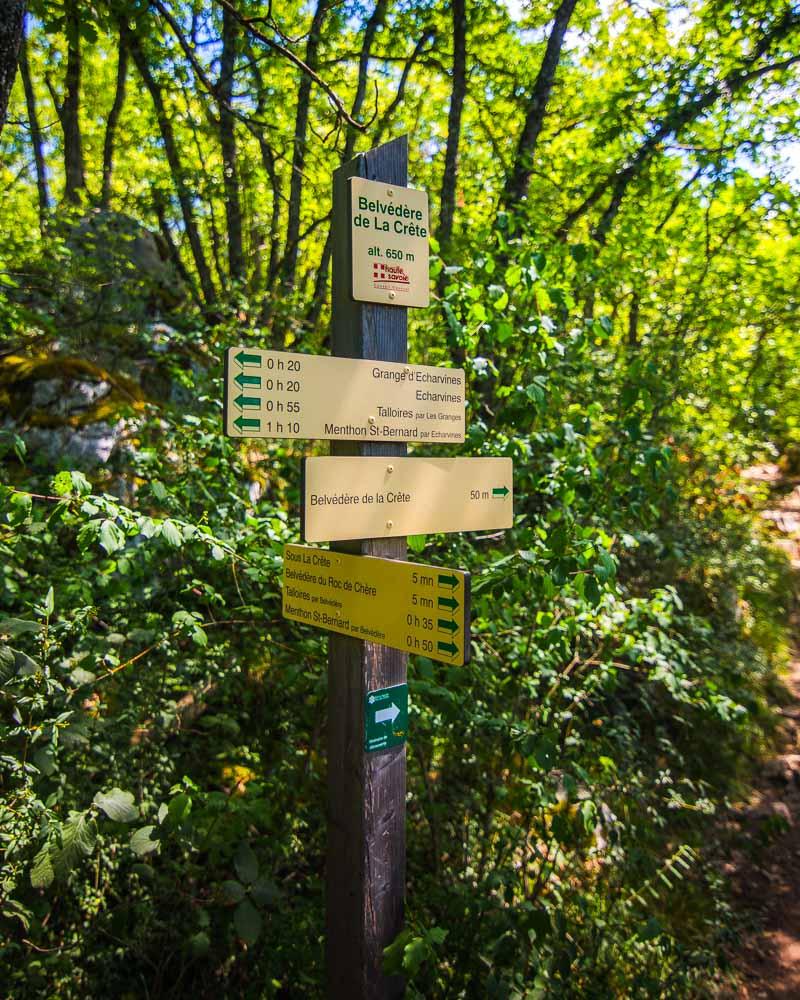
(387, 714)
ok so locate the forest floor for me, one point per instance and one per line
(763, 860)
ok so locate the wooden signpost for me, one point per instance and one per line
(365, 499)
(366, 864)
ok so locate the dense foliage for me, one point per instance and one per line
(614, 191)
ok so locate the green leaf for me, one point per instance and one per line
(199, 944)
(591, 590)
(172, 533)
(80, 483)
(417, 543)
(117, 805)
(66, 483)
(159, 490)
(62, 484)
(42, 873)
(233, 891)
(179, 808)
(652, 929)
(416, 951)
(605, 567)
(436, 935)
(141, 843)
(43, 760)
(265, 892)
(78, 837)
(112, 537)
(8, 664)
(393, 953)
(14, 910)
(50, 602)
(246, 863)
(579, 252)
(247, 921)
(16, 626)
(545, 754)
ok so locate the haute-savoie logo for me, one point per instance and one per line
(391, 276)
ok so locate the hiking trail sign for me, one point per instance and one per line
(385, 718)
(285, 395)
(373, 497)
(390, 233)
(407, 606)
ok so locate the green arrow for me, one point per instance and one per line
(249, 401)
(247, 359)
(447, 647)
(503, 491)
(447, 625)
(448, 602)
(444, 580)
(245, 423)
(243, 380)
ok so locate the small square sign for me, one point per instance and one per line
(386, 718)
(390, 234)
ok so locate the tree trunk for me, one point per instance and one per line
(519, 178)
(299, 148)
(36, 136)
(113, 121)
(227, 136)
(12, 16)
(74, 173)
(175, 165)
(450, 176)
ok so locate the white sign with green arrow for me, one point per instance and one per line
(385, 497)
(277, 394)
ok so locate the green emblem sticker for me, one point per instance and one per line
(386, 718)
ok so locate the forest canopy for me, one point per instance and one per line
(614, 262)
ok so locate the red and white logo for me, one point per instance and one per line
(391, 276)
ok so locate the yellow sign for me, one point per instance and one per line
(419, 609)
(384, 497)
(279, 394)
(390, 232)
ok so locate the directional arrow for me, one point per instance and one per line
(243, 380)
(247, 424)
(447, 647)
(448, 602)
(387, 714)
(247, 359)
(501, 491)
(447, 625)
(252, 402)
(445, 580)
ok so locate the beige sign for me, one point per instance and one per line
(419, 609)
(390, 230)
(384, 497)
(278, 394)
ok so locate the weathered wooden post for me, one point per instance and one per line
(366, 399)
(366, 791)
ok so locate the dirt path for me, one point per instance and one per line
(764, 866)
